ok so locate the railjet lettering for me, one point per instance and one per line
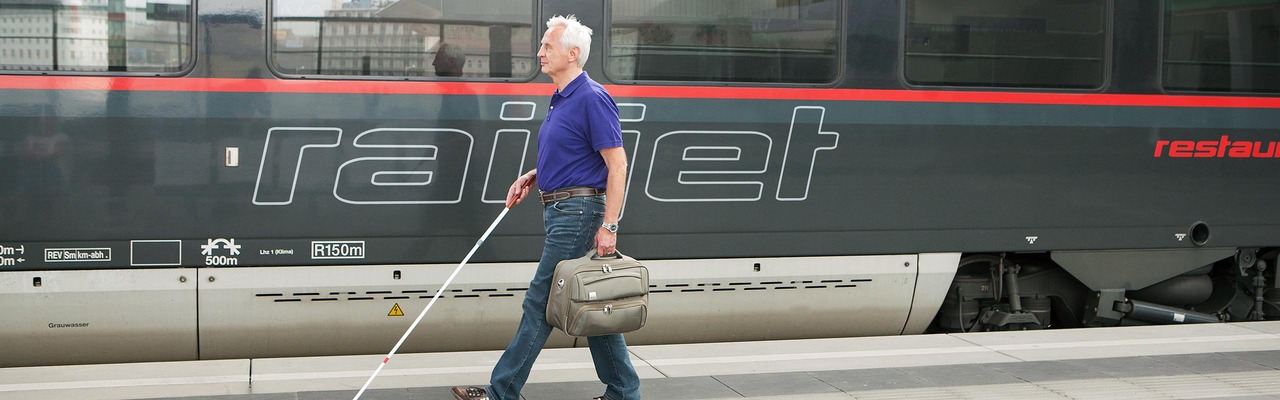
(1221, 148)
(430, 166)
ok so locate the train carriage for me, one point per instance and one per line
(188, 180)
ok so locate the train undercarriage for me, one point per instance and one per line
(1019, 291)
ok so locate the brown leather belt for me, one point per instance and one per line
(566, 193)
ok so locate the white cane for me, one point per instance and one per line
(433, 301)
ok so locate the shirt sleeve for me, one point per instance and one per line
(602, 122)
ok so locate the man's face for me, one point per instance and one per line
(552, 55)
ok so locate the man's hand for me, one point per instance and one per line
(606, 242)
(520, 188)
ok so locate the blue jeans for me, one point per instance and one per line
(571, 227)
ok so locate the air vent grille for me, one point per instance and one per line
(476, 293)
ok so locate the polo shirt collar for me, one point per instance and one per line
(573, 85)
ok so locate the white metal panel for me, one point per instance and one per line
(937, 270)
(300, 311)
(96, 316)
(788, 298)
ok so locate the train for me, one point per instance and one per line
(233, 179)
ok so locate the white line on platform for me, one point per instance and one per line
(195, 380)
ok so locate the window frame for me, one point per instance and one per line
(535, 38)
(192, 44)
(1108, 59)
(841, 66)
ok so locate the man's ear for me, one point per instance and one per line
(573, 55)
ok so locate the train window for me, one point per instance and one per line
(770, 41)
(144, 36)
(405, 38)
(1222, 46)
(1006, 43)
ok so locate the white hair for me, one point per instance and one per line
(575, 34)
(455, 52)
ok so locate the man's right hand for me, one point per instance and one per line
(520, 188)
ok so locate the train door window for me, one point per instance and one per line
(1222, 45)
(1006, 43)
(143, 36)
(406, 39)
(766, 41)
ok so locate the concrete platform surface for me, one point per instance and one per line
(1235, 361)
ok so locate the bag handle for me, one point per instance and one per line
(615, 255)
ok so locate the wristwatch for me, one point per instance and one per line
(610, 227)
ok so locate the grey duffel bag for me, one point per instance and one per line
(593, 296)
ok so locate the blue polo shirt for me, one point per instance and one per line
(581, 121)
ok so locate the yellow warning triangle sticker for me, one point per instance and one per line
(395, 311)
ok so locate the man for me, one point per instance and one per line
(449, 60)
(581, 172)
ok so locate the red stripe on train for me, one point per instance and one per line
(624, 91)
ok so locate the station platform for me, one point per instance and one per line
(1234, 361)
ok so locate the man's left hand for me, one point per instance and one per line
(606, 242)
